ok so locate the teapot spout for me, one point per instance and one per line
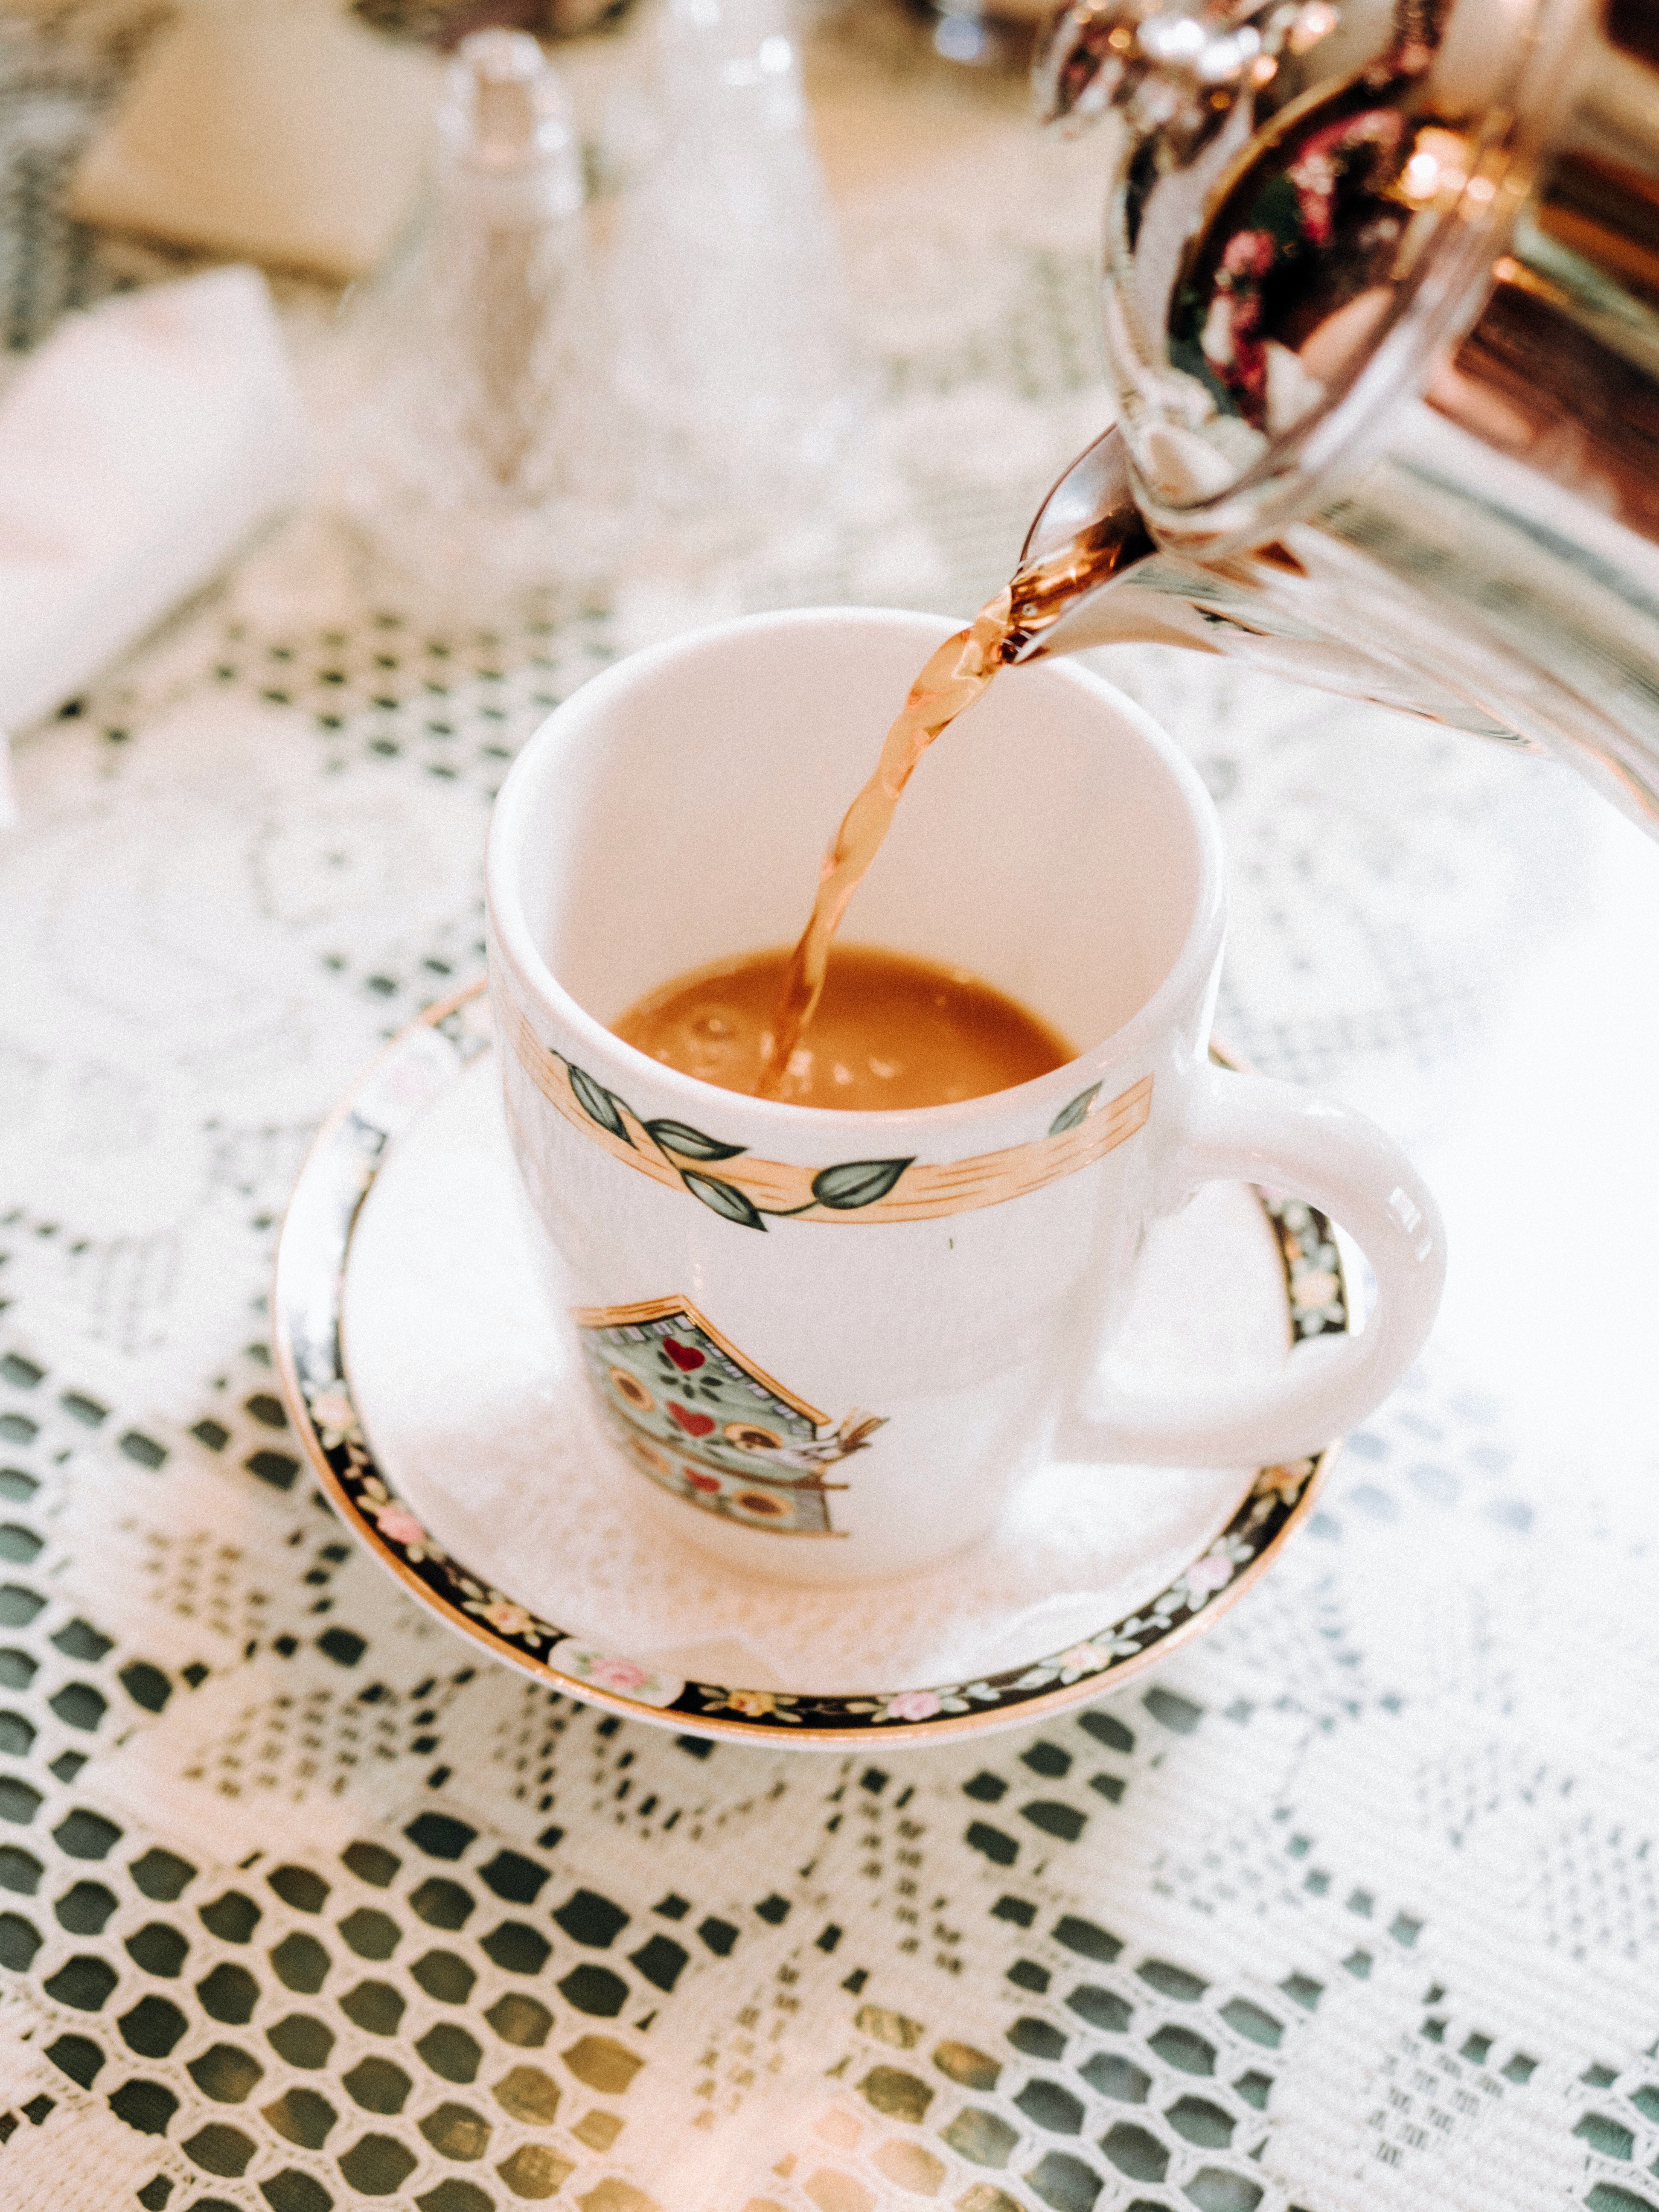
(1421, 589)
(1087, 534)
(1090, 574)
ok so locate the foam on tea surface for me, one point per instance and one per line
(887, 1032)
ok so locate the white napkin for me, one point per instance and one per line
(141, 446)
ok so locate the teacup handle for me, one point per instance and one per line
(1249, 1129)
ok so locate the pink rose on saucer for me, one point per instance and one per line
(335, 1417)
(912, 1706)
(1083, 1659)
(624, 1678)
(1213, 1572)
(401, 1526)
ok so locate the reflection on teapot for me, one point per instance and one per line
(1381, 308)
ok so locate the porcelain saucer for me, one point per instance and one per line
(431, 1387)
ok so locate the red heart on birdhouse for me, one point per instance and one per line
(695, 1424)
(685, 1357)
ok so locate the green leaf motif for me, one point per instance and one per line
(857, 1182)
(723, 1198)
(690, 1143)
(1069, 1116)
(597, 1103)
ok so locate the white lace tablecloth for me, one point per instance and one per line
(300, 1905)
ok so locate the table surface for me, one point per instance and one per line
(1357, 1905)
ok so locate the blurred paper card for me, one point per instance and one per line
(279, 130)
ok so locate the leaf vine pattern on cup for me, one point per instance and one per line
(843, 1188)
(1071, 1116)
(750, 1192)
(857, 1182)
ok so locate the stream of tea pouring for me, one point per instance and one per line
(1043, 588)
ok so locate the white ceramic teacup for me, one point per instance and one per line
(865, 1328)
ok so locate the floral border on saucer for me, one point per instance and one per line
(310, 1283)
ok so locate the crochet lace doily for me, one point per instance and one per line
(1353, 1908)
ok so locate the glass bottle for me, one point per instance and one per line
(484, 460)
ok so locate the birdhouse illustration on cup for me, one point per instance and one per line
(709, 1426)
